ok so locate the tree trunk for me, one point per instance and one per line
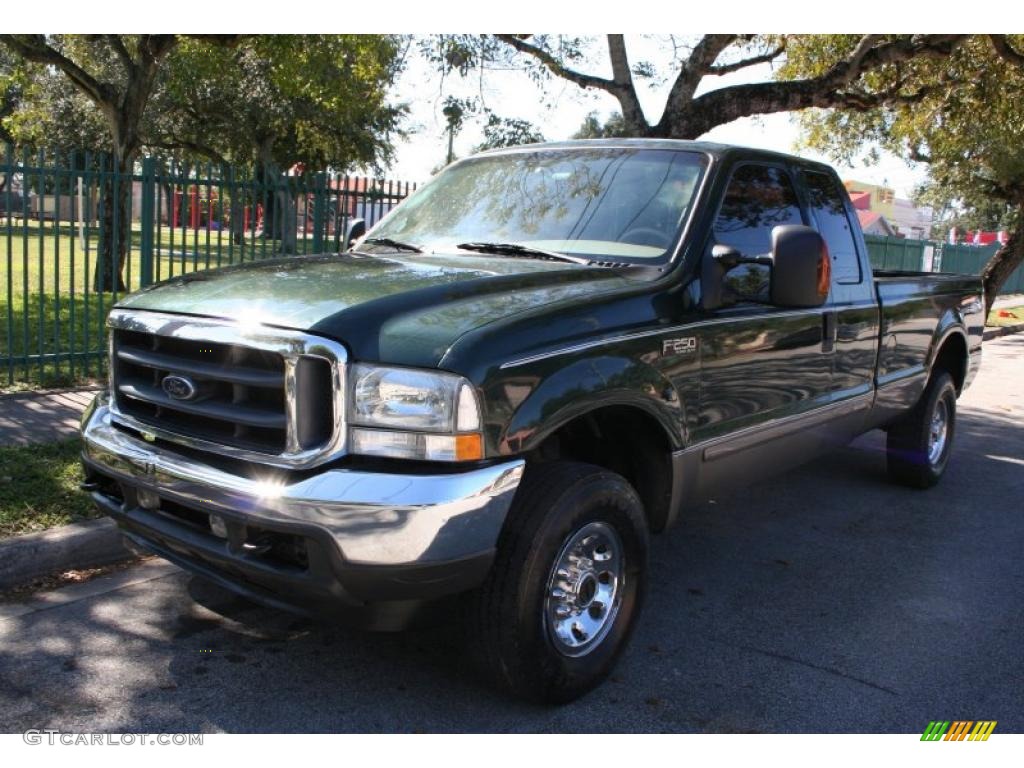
(999, 268)
(285, 224)
(279, 211)
(238, 196)
(115, 226)
(265, 197)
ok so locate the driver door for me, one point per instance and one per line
(765, 371)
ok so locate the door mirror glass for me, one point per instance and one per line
(801, 270)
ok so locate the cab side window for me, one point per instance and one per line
(827, 200)
(758, 199)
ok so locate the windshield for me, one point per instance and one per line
(607, 203)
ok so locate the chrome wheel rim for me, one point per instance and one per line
(584, 590)
(938, 431)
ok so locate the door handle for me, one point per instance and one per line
(829, 330)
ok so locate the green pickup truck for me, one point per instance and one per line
(496, 394)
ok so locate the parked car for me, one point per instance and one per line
(531, 365)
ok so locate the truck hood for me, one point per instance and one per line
(404, 309)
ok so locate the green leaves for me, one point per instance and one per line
(318, 100)
(963, 114)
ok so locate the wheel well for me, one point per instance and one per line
(625, 440)
(952, 357)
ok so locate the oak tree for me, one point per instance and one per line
(842, 75)
(963, 116)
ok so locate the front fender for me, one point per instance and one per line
(585, 386)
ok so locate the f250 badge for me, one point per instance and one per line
(687, 345)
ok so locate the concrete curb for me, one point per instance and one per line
(79, 545)
(1006, 330)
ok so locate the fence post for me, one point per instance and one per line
(319, 212)
(147, 221)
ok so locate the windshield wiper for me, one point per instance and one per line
(525, 251)
(396, 244)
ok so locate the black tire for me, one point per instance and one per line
(910, 439)
(508, 623)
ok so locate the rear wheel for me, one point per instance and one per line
(919, 445)
(567, 583)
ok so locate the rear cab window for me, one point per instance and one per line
(827, 201)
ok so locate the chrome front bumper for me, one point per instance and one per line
(373, 518)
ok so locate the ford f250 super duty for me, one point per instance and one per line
(501, 389)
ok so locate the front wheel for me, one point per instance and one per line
(566, 586)
(919, 444)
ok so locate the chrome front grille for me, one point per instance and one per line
(250, 392)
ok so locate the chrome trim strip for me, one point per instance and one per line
(291, 345)
(903, 376)
(375, 518)
(291, 407)
(666, 329)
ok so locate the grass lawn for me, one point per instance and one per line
(39, 488)
(1006, 316)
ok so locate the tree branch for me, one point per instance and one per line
(115, 42)
(36, 49)
(556, 67)
(701, 58)
(1006, 51)
(727, 104)
(172, 143)
(707, 51)
(857, 57)
(724, 69)
(625, 90)
(620, 86)
(155, 47)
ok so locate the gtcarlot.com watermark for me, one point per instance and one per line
(52, 738)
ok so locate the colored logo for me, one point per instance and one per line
(959, 730)
(179, 387)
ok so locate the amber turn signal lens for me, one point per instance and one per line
(824, 272)
(469, 447)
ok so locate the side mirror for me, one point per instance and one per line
(719, 262)
(801, 267)
(356, 228)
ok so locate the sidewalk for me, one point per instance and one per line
(28, 418)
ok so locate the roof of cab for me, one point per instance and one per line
(708, 147)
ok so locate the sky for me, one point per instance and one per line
(559, 108)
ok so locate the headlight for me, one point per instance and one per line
(414, 414)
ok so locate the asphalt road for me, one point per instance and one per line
(826, 600)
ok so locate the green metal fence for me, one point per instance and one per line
(909, 255)
(969, 260)
(59, 220)
(896, 253)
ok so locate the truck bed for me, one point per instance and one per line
(915, 309)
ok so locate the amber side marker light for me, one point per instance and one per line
(469, 447)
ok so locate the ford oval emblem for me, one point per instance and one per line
(179, 387)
